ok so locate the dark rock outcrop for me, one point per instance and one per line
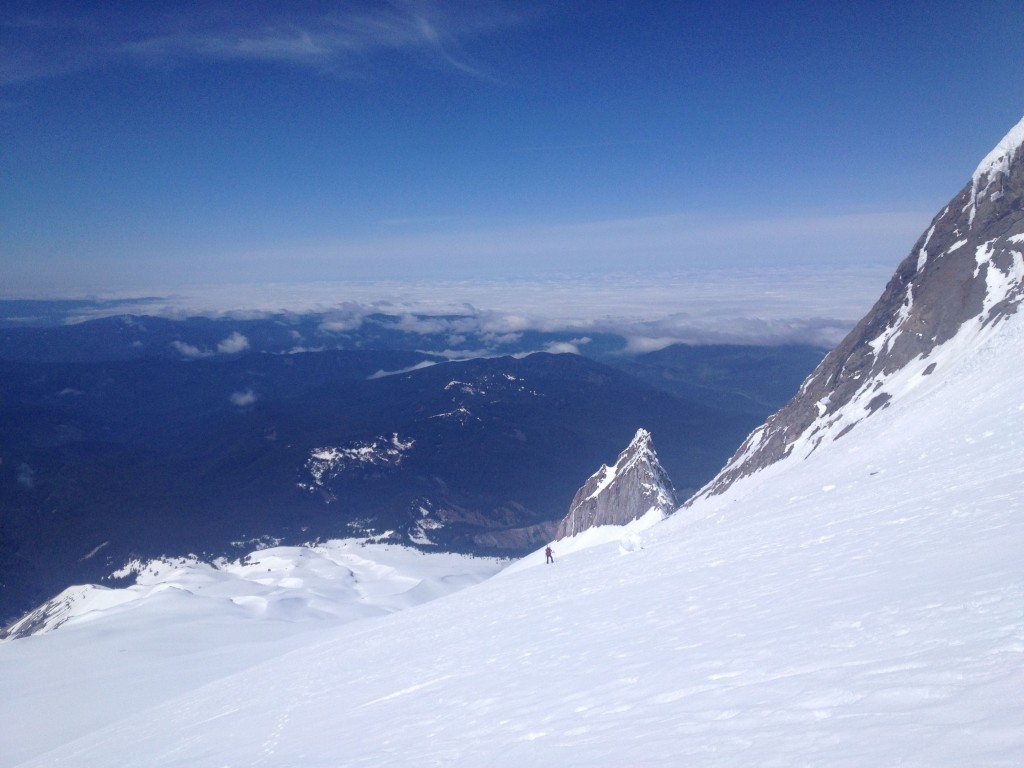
(963, 274)
(623, 492)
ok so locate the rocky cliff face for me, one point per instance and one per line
(963, 275)
(623, 492)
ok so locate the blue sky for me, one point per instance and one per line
(155, 145)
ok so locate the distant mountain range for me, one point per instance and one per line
(142, 437)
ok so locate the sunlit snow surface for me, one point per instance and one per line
(861, 607)
(113, 652)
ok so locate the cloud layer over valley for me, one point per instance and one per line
(650, 312)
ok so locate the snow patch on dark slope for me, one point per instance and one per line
(962, 277)
(635, 485)
(326, 463)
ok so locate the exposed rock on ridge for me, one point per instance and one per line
(616, 495)
(963, 274)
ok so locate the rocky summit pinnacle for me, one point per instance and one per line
(962, 276)
(623, 492)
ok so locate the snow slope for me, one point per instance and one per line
(861, 607)
(102, 654)
(343, 579)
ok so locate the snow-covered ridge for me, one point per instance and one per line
(998, 160)
(962, 278)
(994, 165)
(917, 376)
(638, 450)
(335, 580)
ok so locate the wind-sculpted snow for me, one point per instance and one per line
(337, 579)
(963, 276)
(859, 608)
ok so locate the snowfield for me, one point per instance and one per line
(860, 607)
(112, 652)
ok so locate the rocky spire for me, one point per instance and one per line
(625, 491)
(964, 273)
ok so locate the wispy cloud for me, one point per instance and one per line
(419, 366)
(53, 40)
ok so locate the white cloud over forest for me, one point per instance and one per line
(233, 344)
(562, 348)
(190, 350)
(243, 398)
